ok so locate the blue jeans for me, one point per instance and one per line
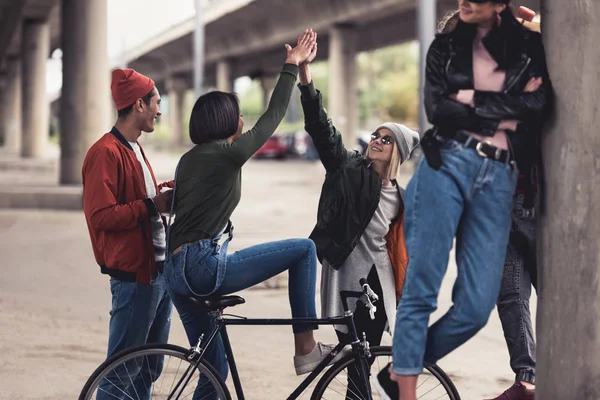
(140, 314)
(195, 268)
(469, 197)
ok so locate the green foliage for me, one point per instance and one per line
(251, 102)
(388, 84)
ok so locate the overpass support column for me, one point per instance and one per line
(268, 82)
(224, 80)
(342, 82)
(426, 28)
(568, 330)
(84, 109)
(36, 110)
(11, 106)
(175, 90)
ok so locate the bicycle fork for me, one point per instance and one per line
(362, 353)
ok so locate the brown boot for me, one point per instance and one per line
(516, 392)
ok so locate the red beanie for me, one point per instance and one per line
(128, 85)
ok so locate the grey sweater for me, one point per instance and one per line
(370, 249)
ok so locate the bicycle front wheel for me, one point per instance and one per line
(342, 380)
(155, 371)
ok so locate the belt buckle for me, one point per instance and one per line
(478, 147)
(497, 153)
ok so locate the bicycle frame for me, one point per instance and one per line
(347, 319)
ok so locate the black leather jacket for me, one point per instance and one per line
(520, 52)
(351, 191)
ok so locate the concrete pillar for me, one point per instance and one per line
(2, 111)
(293, 111)
(84, 109)
(342, 82)
(568, 318)
(11, 106)
(426, 28)
(36, 110)
(199, 5)
(224, 80)
(268, 82)
(175, 91)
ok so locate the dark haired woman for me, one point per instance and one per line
(486, 91)
(207, 190)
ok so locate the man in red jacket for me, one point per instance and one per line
(123, 205)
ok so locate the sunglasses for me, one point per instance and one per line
(387, 139)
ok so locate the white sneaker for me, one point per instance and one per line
(307, 363)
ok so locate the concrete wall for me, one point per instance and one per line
(568, 322)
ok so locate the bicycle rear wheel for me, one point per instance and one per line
(155, 371)
(341, 381)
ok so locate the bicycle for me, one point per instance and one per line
(126, 376)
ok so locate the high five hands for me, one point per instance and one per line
(305, 50)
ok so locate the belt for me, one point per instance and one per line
(228, 230)
(483, 148)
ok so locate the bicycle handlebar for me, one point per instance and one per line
(370, 297)
(365, 298)
(368, 291)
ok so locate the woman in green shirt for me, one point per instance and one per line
(207, 190)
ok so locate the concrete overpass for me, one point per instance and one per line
(242, 38)
(29, 31)
(246, 37)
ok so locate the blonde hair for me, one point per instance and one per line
(395, 162)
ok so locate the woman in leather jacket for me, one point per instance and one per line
(359, 230)
(486, 91)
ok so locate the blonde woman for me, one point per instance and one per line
(359, 230)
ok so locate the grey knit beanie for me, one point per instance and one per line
(406, 138)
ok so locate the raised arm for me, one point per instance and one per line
(248, 143)
(327, 139)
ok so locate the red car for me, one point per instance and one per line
(276, 147)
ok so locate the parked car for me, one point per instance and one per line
(299, 144)
(303, 146)
(276, 147)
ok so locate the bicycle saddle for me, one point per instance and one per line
(216, 303)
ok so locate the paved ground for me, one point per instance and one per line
(54, 302)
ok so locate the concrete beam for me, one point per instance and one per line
(10, 23)
(224, 79)
(267, 83)
(84, 109)
(176, 88)
(568, 331)
(36, 110)
(342, 82)
(382, 32)
(275, 29)
(427, 24)
(11, 106)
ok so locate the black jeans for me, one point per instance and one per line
(520, 273)
(373, 329)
